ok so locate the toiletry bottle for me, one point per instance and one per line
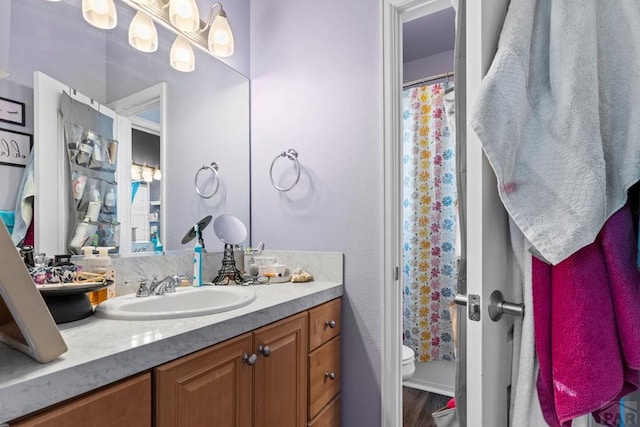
(110, 199)
(80, 235)
(85, 151)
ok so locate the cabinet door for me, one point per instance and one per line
(211, 387)
(124, 404)
(280, 379)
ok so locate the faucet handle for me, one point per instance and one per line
(143, 289)
(172, 284)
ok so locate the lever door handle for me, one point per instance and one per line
(498, 306)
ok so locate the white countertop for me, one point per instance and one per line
(102, 351)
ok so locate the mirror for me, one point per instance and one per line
(207, 110)
(229, 229)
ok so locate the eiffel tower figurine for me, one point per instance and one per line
(229, 272)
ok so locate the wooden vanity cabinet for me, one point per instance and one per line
(124, 404)
(285, 374)
(257, 379)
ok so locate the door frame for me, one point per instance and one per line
(394, 14)
(488, 244)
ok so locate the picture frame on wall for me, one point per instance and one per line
(12, 111)
(15, 147)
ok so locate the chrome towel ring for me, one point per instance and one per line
(213, 167)
(292, 155)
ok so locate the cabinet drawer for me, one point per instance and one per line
(124, 404)
(324, 323)
(329, 416)
(324, 363)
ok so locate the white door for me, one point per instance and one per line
(488, 359)
(51, 205)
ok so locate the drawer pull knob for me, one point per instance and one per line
(330, 323)
(249, 360)
(266, 351)
(330, 375)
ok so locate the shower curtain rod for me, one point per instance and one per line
(428, 79)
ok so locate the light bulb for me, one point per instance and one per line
(100, 13)
(147, 173)
(184, 15)
(220, 36)
(143, 34)
(135, 172)
(182, 57)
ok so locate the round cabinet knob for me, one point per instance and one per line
(330, 323)
(330, 375)
(249, 360)
(265, 350)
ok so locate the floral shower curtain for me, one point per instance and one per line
(429, 223)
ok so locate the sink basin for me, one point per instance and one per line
(185, 302)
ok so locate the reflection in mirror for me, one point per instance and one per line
(142, 117)
(207, 114)
(145, 204)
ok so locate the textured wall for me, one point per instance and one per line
(316, 79)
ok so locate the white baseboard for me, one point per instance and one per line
(436, 377)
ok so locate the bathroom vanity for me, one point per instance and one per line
(275, 361)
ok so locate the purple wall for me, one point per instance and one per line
(316, 79)
(428, 66)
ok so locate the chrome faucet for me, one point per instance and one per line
(166, 285)
(160, 287)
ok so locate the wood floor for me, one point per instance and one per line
(418, 405)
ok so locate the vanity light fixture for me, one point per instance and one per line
(143, 34)
(181, 56)
(183, 18)
(180, 16)
(144, 172)
(100, 13)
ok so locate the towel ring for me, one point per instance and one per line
(293, 156)
(213, 167)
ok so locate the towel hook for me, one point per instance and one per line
(292, 155)
(213, 167)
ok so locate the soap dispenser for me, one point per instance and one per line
(100, 264)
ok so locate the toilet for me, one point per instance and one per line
(408, 362)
